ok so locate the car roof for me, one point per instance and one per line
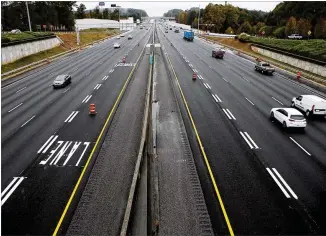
(291, 111)
(61, 77)
(314, 97)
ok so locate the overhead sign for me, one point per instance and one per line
(101, 4)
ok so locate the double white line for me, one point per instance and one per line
(48, 144)
(195, 70)
(111, 70)
(207, 86)
(97, 86)
(10, 189)
(200, 77)
(105, 77)
(71, 116)
(86, 99)
(216, 98)
(229, 114)
(249, 140)
(280, 185)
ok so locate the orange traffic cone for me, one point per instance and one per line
(194, 76)
(123, 60)
(92, 109)
(298, 75)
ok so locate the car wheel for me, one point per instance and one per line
(307, 113)
(271, 117)
(284, 125)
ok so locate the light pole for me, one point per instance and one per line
(29, 20)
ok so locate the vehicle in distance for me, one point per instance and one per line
(138, 21)
(218, 53)
(122, 35)
(310, 104)
(129, 37)
(170, 28)
(118, 37)
(116, 45)
(188, 35)
(288, 117)
(61, 81)
(295, 36)
(176, 30)
(166, 31)
(264, 68)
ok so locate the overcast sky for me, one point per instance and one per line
(157, 8)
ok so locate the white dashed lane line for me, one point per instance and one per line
(71, 116)
(300, 146)
(190, 65)
(225, 80)
(216, 98)
(250, 101)
(86, 99)
(278, 101)
(66, 90)
(27, 121)
(246, 79)
(229, 114)
(285, 183)
(249, 140)
(97, 86)
(21, 89)
(195, 70)
(15, 107)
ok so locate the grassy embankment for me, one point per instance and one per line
(69, 39)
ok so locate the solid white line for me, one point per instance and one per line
(205, 85)
(227, 114)
(210, 67)
(9, 186)
(88, 98)
(106, 77)
(231, 114)
(200, 77)
(21, 89)
(49, 139)
(277, 101)
(27, 121)
(73, 116)
(300, 146)
(15, 107)
(251, 140)
(95, 87)
(278, 183)
(66, 90)
(244, 137)
(72, 113)
(250, 101)
(285, 184)
(218, 98)
(12, 190)
(85, 99)
(225, 80)
(209, 86)
(214, 98)
(50, 144)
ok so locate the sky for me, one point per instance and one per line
(157, 8)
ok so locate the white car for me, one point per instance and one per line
(129, 37)
(295, 36)
(310, 104)
(118, 37)
(116, 45)
(288, 117)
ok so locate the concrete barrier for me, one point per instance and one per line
(12, 53)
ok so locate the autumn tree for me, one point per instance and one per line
(229, 31)
(304, 26)
(320, 29)
(245, 28)
(291, 26)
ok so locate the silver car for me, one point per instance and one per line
(61, 81)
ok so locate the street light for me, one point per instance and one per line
(29, 20)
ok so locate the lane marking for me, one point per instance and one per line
(94, 148)
(88, 98)
(200, 77)
(250, 101)
(285, 183)
(300, 146)
(105, 77)
(205, 85)
(97, 86)
(195, 70)
(210, 67)
(111, 70)
(21, 89)
(14, 181)
(225, 80)
(227, 114)
(15, 107)
(278, 183)
(27, 121)
(85, 98)
(49, 139)
(190, 65)
(217, 97)
(186, 60)
(251, 140)
(245, 79)
(208, 86)
(278, 101)
(217, 192)
(71, 116)
(66, 90)
(231, 114)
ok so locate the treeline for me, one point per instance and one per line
(108, 13)
(44, 15)
(287, 18)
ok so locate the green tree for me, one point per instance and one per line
(279, 32)
(195, 23)
(291, 26)
(191, 15)
(214, 16)
(320, 29)
(245, 28)
(304, 26)
(106, 14)
(97, 13)
(268, 30)
(81, 11)
(229, 31)
(231, 16)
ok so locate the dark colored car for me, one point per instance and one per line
(61, 81)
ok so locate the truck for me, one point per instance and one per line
(264, 68)
(137, 21)
(218, 53)
(188, 35)
(295, 36)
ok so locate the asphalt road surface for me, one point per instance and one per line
(47, 134)
(271, 181)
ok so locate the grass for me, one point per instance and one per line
(8, 37)
(69, 40)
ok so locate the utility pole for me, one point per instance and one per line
(29, 20)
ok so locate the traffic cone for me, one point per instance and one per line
(194, 76)
(92, 109)
(298, 75)
(123, 60)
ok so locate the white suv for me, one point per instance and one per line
(310, 104)
(288, 117)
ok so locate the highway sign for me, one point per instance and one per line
(101, 4)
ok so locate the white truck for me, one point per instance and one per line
(295, 36)
(310, 104)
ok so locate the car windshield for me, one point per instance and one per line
(60, 78)
(297, 117)
(265, 64)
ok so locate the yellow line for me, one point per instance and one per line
(94, 148)
(204, 154)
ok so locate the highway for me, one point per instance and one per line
(47, 134)
(271, 181)
(256, 178)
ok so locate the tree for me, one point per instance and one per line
(304, 26)
(105, 14)
(231, 16)
(245, 28)
(195, 23)
(97, 13)
(191, 15)
(320, 29)
(267, 30)
(291, 26)
(81, 11)
(279, 32)
(229, 31)
(214, 16)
